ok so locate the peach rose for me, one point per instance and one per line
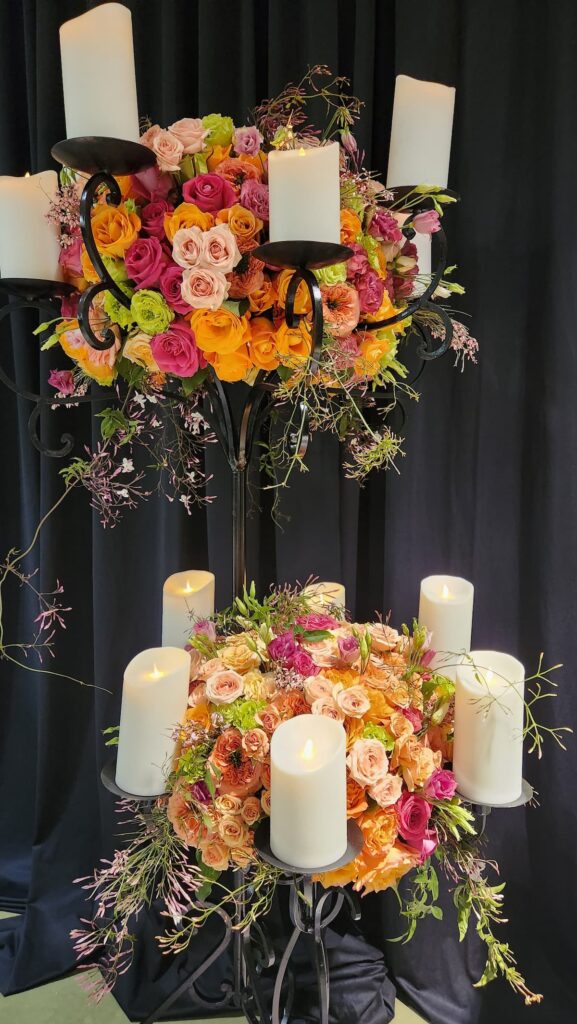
(251, 810)
(399, 725)
(197, 695)
(239, 656)
(242, 856)
(378, 873)
(202, 288)
(183, 820)
(187, 246)
(324, 652)
(210, 667)
(353, 701)
(265, 801)
(114, 229)
(269, 718)
(383, 637)
(262, 345)
(232, 830)
(387, 791)
(219, 331)
(228, 804)
(187, 215)
(224, 687)
(416, 761)
(191, 134)
(379, 827)
(232, 366)
(167, 148)
(367, 761)
(243, 224)
(327, 707)
(137, 350)
(214, 853)
(219, 249)
(356, 799)
(255, 744)
(265, 775)
(317, 686)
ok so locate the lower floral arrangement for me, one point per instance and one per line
(253, 667)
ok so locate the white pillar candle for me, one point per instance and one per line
(304, 194)
(29, 245)
(98, 74)
(323, 595)
(185, 595)
(308, 814)
(420, 146)
(446, 609)
(154, 700)
(489, 716)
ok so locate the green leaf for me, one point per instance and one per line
(233, 307)
(114, 422)
(191, 384)
(131, 372)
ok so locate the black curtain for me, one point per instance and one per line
(487, 489)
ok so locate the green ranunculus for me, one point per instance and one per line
(335, 274)
(220, 129)
(371, 247)
(118, 313)
(151, 312)
(116, 269)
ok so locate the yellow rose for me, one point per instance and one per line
(137, 350)
(239, 657)
(219, 331)
(259, 686)
(114, 229)
(187, 215)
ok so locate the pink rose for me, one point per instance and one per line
(144, 261)
(175, 350)
(353, 702)
(441, 785)
(327, 707)
(70, 257)
(324, 652)
(210, 192)
(348, 649)
(254, 197)
(170, 285)
(203, 288)
(166, 147)
(359, 263)
(302, 663)
(247, 140)
(316, 687)
(152, 217)
(413, 815)
(426, 223)
(415, 718)
(316, 620)
(191, 134)
(282, 647)
(367, 762)
(371, 289)
(255, 744)
(387, 791)
(187, 247)
(224, 687)
(151, 184)
(210, 667)
(219, 249)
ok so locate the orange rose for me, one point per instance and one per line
(338, 877)
(199, 713)
(379, 828)
(243, 224)
(242, 285)
(350, 227)
(216, 156)
(381, 710)
(264, 297)
(386, 310)
(263, 344)
(302, 297)
(219, 331)
(124, 182)
(232, 366)
(440, 737)
(292, 703)
(378, 873)
(259, 161)
(114, 229)
(184, 821)
(354, 728)
(356, 799)
(293, 344)
(187, 215)
(416, 761)
(87, 268)
(214, 853)
(373, 348)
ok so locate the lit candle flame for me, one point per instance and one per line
(156, 672)
(301, 151)
(308, 751)
(27, 175)
(189, 589)
(446, 593)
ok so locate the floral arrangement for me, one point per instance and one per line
(252, 668)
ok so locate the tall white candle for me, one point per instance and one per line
(98, 74)
(446, 609)
(185, 595)
(304, 194)
(154, 700)
(420, 146)
(489, 716)
(308, 816)
(322, 595)
(29, 244)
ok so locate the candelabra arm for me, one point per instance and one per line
(106, 282)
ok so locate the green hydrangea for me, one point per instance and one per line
(150, 311)
(335, 274)
(118, 313)
(378, 732)
(220, 129)
(242, 713)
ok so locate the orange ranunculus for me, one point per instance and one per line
(302, 297)
(242, 285)
(114, 229)
(263, 343)
(350, 227)
(416, 761)
(216, 156)
(231, 366)
(236, 172)
(219, 331)
(354, 729)
(381, 709)
(187, 215)
(264, 297)
(87, 268)
(379, 828)
(356, 799)
(293, 344)
(380, 872)
(372, 351)
(243, 224)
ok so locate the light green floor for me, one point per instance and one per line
(64, 1002)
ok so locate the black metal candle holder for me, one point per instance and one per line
(483, 811)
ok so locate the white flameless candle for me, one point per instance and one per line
(304, 194)
(323, 595)
(98, 74)
(29, 244)
(185, 595)
(420, 147)
(154, 700)
(489, 715)
(308, 815)
(446, 609)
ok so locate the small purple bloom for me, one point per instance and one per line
(316, 620)
(254, 197)
(247, 140)
(348, 648)
(442, 785)
(283, 647)
(62, 380)
(206, 628)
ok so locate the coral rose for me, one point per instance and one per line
(219, 331)
(367, 761)
(251, 810)
(265, 801)
(341, 308)
(255, 744)
(114, 229)
(262, 345)
(242, 779)
(214, 853)
(292, 703)
(236, 172)
(187, 215)
(356, 799)
(251, 280)
(224, 687)
(203, 288)
(243, 224)
(227, 746)
(242, 856)
(350, 227)
(269, 718)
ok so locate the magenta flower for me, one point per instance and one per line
(69, 305)
(210, 192)
(282, 647)
(413, 815)
(62, 380)
(152, 217)
(254, 197)
(199, 792)
(316, 620)
(359, 263)
(442, 785)
(170, 285)
(70, 257)
(414, 717)
(427, 222)
(144, 261)
(205, 627)
(176, 352)
(371, 289)
(151, 184)
(383, 225)
(302, 663)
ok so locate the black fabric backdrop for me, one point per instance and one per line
(487, 488)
